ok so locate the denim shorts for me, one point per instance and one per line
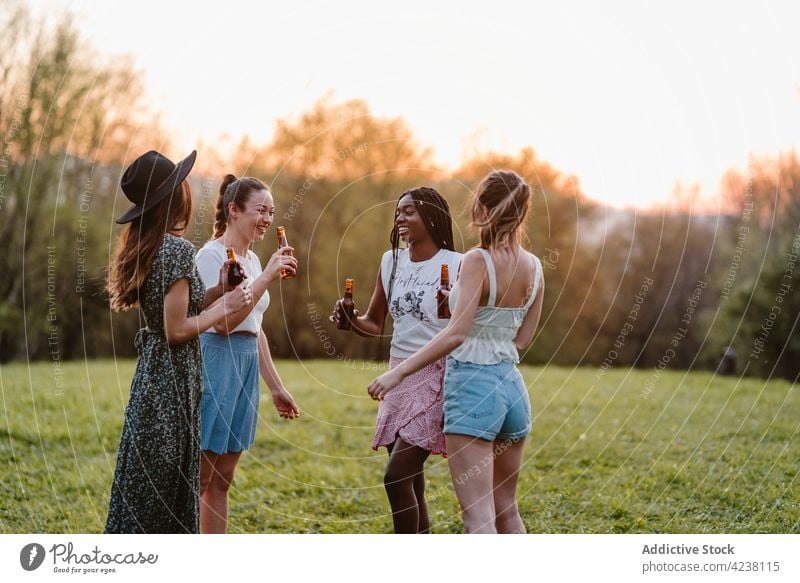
(229, 406)
(488, 401)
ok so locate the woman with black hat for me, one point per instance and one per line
(156, 481)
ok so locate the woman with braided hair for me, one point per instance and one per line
(496, 304)
(236, 350)
(409, 422)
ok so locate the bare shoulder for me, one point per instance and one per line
(473, 257)
(537, 265)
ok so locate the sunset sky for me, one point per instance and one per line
(630, 97)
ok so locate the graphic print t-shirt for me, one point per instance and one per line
(413, 301)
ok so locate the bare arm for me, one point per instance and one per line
(531, 322)
(473, 272)
(265, 365)
(283, 401)
(212, 295)
(180, 328)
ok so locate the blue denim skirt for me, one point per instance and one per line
(229, 406)
(488, 401)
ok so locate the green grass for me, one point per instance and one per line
(699, 454)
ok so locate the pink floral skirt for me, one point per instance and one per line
(413, 410)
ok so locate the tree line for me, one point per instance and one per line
(624, 288)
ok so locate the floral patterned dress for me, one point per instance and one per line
(157, 478)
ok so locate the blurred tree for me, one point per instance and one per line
(336, 172)
(759, 273)
(652, 286)
(67, 119)
(71, 120)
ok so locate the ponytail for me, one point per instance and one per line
(499, 208)
(221, 218)
(233, 190)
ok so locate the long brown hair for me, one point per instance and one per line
(499, 208)
(139, 243)
(237, 191)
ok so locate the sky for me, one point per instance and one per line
(631, 97)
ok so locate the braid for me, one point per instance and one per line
(221, 218)
(394, 239)
(435, 213)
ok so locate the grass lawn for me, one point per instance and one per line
(695, 454)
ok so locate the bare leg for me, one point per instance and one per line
(471, 468)
(507, 463)
(422, 506)
(216, 476)
(402, 480)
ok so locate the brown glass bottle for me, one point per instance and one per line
(442, 301)
(235, 270)
(346, 307)
(282, 242)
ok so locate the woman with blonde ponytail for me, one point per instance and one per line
(236, 350)
(496, 304)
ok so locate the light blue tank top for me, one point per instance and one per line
(491, 339)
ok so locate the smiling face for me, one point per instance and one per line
(409, 222)
(253, 221)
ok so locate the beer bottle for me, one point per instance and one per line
(441, 299)
(282, 242)
(346, 307)
(235, 271)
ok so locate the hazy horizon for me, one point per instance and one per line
(631, 99)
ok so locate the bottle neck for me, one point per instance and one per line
(282, 242)
(239, 244)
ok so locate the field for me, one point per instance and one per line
(625, 451)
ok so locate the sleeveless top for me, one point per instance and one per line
(491, 339)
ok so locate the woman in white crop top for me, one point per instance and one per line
(236, 350)
(409, 422)
(496, 305)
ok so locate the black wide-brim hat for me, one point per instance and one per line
(150, 179)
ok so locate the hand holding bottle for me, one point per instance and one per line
(224, 284)
(344, 310)
(237, 299)
(279, 262)
(283, 246)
